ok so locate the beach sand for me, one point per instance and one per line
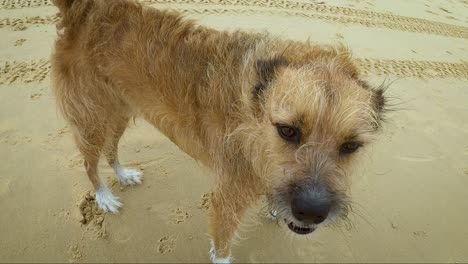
(410, 192)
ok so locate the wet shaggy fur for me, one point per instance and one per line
(220, 96)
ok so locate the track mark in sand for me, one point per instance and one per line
(339, 36)
(150, 166)
(421, 25)
(32, 71)
(53, 138)
(204, 202)
(179, 216)
(60, 133)
(74, 253)
(420, 234)
(92, 217)
(19, 24)
(408, 27)
(445, 10)
(149, 162)
(416, 158)
(19, 42)
(12, 138)
(166, 245)
(411, 68)
(75, 161)
(13, 4)
(35, 96)
(9, 137)
(62, 214)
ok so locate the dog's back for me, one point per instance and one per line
(115, 59)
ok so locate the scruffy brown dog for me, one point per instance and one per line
(268, 116)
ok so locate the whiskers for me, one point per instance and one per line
(346, 216)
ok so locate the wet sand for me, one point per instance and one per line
(410, 192)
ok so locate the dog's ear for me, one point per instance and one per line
(379, 103)
(378, 100)
(266, 71)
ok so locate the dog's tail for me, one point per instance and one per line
(72, 11)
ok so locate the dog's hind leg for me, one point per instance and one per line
(126, 176)
(90, 141)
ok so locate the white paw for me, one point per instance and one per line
(216, 260)
(107, 201)
(212, 252)
(129, 176)
(221, 260)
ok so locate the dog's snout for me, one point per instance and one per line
(310, 209)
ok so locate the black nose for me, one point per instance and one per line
(310, 208)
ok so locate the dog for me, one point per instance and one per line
(268, 116)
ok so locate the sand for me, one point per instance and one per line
(410, 192)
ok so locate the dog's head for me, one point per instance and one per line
(314, 118)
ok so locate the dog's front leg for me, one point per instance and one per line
(228, 204)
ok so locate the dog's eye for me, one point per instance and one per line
(291, 134)
(349, 147)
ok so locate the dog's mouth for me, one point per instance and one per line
(300, 230)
